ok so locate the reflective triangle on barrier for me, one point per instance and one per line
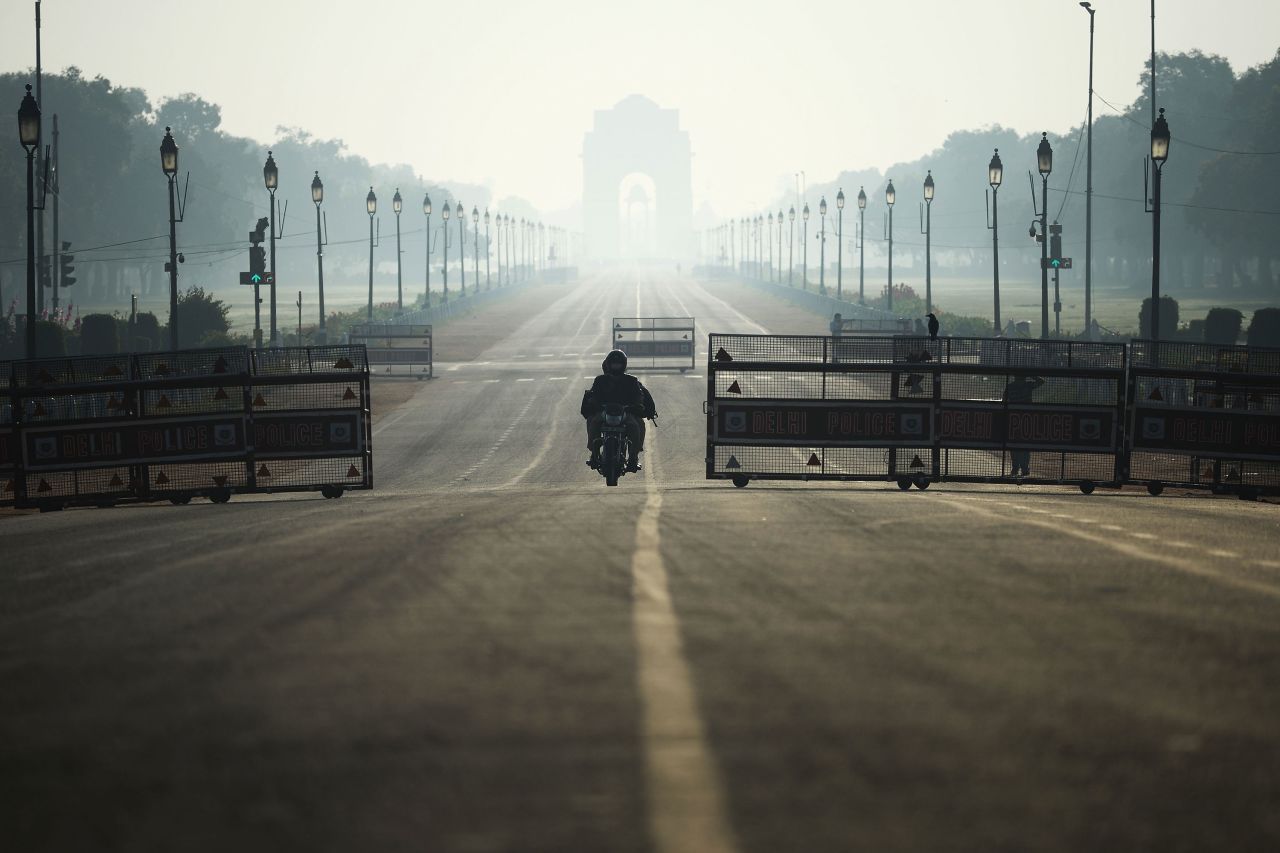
(44, 486)
(115, 480)
(264, 471)
(219, 480)
(813, 459)
(733, 388)
(220, 394)
(917, 462)
(161, 479)
(721, 355)
(353, 471)
(1155, 394)
(732, 463)
(343, 363)
(349, 394)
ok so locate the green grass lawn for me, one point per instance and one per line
(1115, 308)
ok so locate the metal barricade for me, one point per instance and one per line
(656, 342)
(397, 344)
(173, 425)
(1204, 416)
(914, 410)
(875, 326)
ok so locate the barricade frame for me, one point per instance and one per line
(389, 353)
(640, 349)
(1189, 394)
(862, 377)
(163, 416)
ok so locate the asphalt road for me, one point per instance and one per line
(492, 651)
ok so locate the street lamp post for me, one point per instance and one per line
(271, 180)
(890, 196)
(462, 247)
(995, 176)
(862, 245)
(779, 245)
(397, 205)
(371, 205)
(1044, 162)
(444, 270)
(169, 163)
(840, 244)
(29, 137)
(1088, 192)
(475, 240)
(791, 245)
(804, 248)
(317, 196)
(426, 210)
(1159, 154)
(822, 247)
(770, 239)
(506, 223)
(487, 282)
(928, 229)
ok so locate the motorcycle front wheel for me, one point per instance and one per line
(609, 460)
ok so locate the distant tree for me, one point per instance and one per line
(199, 316)
(50, 340)
(1222, 326)
(99, 335)
(146, 327)
(1264, 328)
(1168, 318)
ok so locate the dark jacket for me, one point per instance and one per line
(625, 390)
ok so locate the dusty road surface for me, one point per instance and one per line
(492, 651)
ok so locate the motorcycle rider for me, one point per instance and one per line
(615, 385)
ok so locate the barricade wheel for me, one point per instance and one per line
(904, 483)
(1155, 488)
(1087, 487)
(51, 508)
(335, 492)
(921, 482)
(221, 496)
(180, 501)
(740, 480)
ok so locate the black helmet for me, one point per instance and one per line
(615, 356)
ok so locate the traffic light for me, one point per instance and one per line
(65, 269)
(257, 260)
(44, 272)
(1055, 245)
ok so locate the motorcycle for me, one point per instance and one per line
(614, 445)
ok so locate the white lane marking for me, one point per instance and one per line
(1143, 535)
(556, 378)
(1219, 552)
(546, 355)
(1175, 544)
(1186, 565)
(1270, 564)
(490, 381)
(685, 792)
(1112, 527)
(465, 475)
(524, 380)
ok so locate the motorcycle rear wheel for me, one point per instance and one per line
(609, 460)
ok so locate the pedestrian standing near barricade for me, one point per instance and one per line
(836, 325)
(1021, 389)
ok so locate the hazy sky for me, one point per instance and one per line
(502, 92)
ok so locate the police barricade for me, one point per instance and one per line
(1204, 416)
(391, 344)
(173, 425)
(875, 326)
(914, 410)
(656, 342)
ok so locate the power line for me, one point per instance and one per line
(1181, 141)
